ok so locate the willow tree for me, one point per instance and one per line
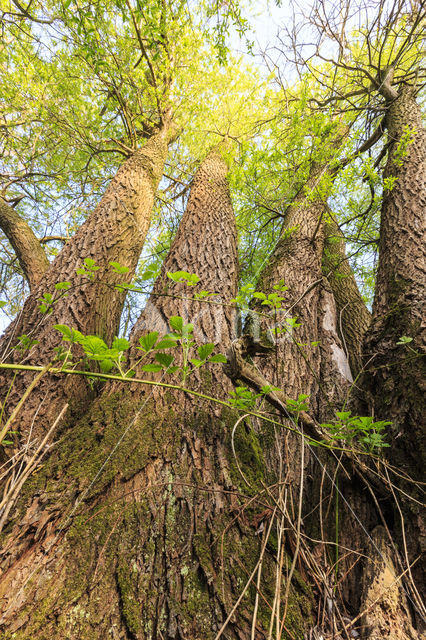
(137, 83)
(176, 506)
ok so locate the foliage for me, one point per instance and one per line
(361, 430)
(152, 347)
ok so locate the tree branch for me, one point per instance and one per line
(28, 249)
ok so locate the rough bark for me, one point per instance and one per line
(114, 232)
(348, 514)
(200, 240)
(31, 256)
(299, 352)
(394, 380)
(353, 316)
(151, 537)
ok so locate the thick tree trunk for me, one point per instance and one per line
(394, 380)
(396, 376)
(200, 240)
(30, 253)
(114, 232)
(300, 353)
(138, 527)
(347, 517)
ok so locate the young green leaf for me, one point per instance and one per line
(121, 344)
(164, 359)
(62, 286)
(152, 367)
(118, 268)
(176, 323)
(205, 350)
(148, 341)
(167, 342)
(218, 358)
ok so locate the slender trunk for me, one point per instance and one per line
(159, 538)
(30, 253)
(114, 232)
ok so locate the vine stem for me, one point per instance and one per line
(167, 385)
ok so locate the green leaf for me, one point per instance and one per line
(90, 264)
(106, 366)
(69, 334)
(168, 342)
(404, 340)
(121, 344)
(343, 415)
(60, 286)
(187, 329)
(218, 358)
(176, 323)
(152, 367)
(118, 268)
(205, 350)
(93, 346)
(183, 276)
(66, 331)
(164, 358)
(172, 369)
(148, 341)
(196, 363)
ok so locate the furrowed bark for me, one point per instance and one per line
(158, 538)
(114, 232)
(353, 316)
(299, 352)
(31, 256)
(323, 373)
(199, 241)
(394, 379)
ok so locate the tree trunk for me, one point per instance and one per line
(165, 515)
(348, 517)
(159, 536)
(30, 253)
(394, 379)
(353, 315)
(396, 376)
(114, 232)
